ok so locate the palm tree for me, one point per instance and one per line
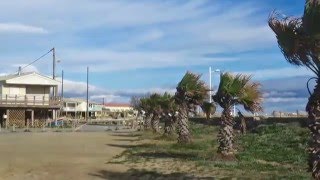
(169, 109)
(145, 109)
(135, 103)
(299, 41)
(155, 107)
(208, 108)
(191, 92)
(234, 90)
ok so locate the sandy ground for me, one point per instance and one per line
(58, 156)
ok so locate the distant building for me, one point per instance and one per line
(77, 108)
(302, 113)
(289, 114)
(117, 107)
(27, 99)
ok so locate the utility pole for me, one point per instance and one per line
(54, 63)
(210, 82)
(87, 113)
(102, 101)
(210, 85)
(54, 113)
(62, 74)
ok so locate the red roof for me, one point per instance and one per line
(117, 105)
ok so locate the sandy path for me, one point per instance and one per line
(59, 155)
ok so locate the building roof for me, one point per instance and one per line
(10, 76)
(117, 105)
(78, 100)
(30, 78)
(74, 100)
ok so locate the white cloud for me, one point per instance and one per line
(157, 34)
(137, 92)
(102, 60)
(108, 98)
(140, 39)
(113, 13)
(278, 93)
(25, 68)
(21, 28)
(276, 73)
(284, 100)
(79, 89)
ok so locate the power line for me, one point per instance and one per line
(37, 59)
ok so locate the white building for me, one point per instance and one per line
(28, 99)
(117, 107)
(77, 108)
(116, 110)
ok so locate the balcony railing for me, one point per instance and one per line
(29, 100)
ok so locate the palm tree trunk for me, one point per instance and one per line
(147, 122)
(225, 135)
(243, 125)
(313, 109)
(155, 123)
(183, 126)
(208, 115)
(169, 126)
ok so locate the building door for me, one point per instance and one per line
(28, 118)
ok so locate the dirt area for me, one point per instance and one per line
(58, 156)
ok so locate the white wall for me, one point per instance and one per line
(117, 108)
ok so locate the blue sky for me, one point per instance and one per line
(134, 47)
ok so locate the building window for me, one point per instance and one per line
(71, 105)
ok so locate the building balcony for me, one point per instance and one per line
(69, 109)
(39, 101)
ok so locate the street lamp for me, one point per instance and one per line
(210, 82)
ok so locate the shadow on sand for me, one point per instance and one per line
(152, 155)
(178, 155)
(127, 140)
(129, 146)
(126, 135)
(134, 174)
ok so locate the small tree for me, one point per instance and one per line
(208, 108)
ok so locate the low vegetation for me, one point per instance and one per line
(269, 151)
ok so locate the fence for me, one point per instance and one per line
(31, 100)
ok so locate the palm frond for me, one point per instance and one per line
(296, 44)
(290, 38)
(311, 18)
(238, 89)
(251, 98)
(191, 90)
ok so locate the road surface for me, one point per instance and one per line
(59, 156)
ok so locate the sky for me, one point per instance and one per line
(141, 46)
